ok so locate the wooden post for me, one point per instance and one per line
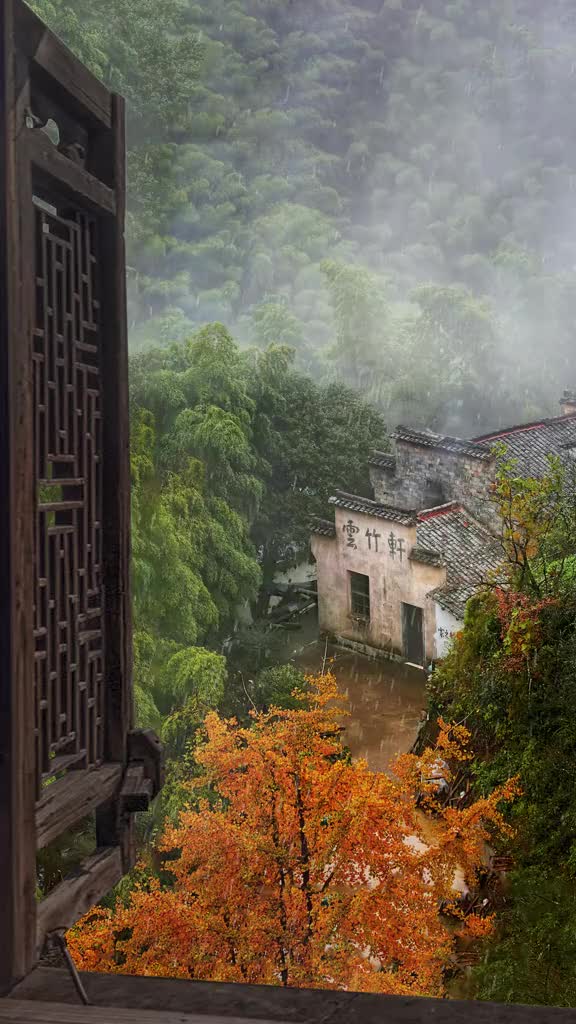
(116, 496)
(17, 768)
(116, 445)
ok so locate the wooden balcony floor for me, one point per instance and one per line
(47, 996)
(28, 1012)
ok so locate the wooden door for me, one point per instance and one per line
(413, 634)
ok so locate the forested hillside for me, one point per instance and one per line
(423, 141)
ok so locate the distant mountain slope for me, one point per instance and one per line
(428, 141)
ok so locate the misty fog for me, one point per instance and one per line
(424, 143)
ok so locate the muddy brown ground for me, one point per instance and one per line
(386, 700)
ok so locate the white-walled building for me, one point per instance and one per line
(392, 581)
(395, 573)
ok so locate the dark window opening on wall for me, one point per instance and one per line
(433, 493)
(360, 595)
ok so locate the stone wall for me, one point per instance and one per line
(426, 477)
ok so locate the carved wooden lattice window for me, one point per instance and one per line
(65, 627)
(69, 654)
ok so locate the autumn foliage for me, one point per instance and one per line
(521, 626)
(302, 868)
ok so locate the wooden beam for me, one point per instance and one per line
(53, 58)
(21, 1012)
(144, 748)
(136, 792)
(66, 175)
(80, 891)
(17, 769)
(268, 1003)
(116, 459)
(205, 1002)
(113, 826)
(71, 798)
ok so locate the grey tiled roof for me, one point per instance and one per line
(382, 459)
(373, 508)
(531, 443)
(454, 445)
(323, 527)
(425, 556)
(470, 553)
(452, 599)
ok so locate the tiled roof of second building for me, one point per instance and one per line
(470, 553)
(530, 444)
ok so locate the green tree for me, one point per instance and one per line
(364, 350)
(533, 957)
(315, 439)
(510, 676)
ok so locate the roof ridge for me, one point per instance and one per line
(372, 501)
(456, 506)
(354, 497)
(426, 432)
(517, 428)
(356, 503)
(440, 510)
(448, 442)
(384, 460)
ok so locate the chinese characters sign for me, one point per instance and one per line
(350, 529)
(373, 537)
(445, 634)
(396, 545)
(373, 541)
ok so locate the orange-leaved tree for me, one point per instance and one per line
(300, 870)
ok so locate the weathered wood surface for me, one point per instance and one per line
(112, 825)
(144, 748)
(39, 74)
(71, 798)
(77, 893)
(19, 1012)
(231, 1003)
(56, 60)
(17, 839)
(136, 792)
(64, 174)
(116, 441)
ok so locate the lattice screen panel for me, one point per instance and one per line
(68, 459)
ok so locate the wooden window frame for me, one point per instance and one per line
(359, 596)
(38, 76)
